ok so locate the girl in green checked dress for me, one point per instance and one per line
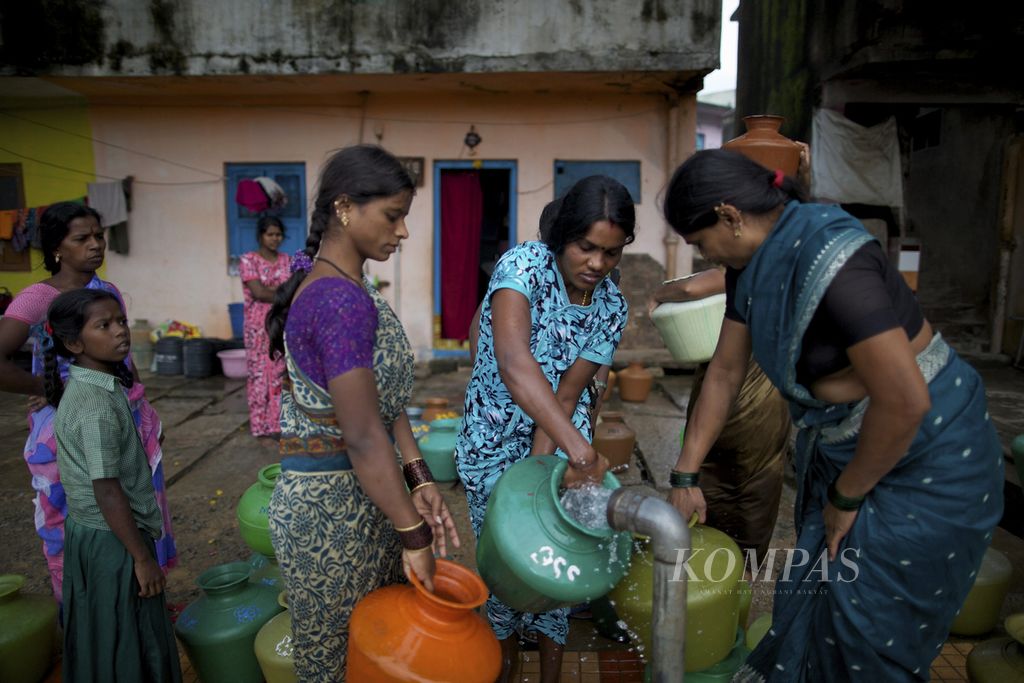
(115, 617)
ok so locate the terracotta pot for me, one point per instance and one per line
(435, 406)
(405, 633)
(614, 439)
(635, 383)
(764, 144)
(27, 627)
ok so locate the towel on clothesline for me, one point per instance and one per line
(7, 221)
(108, 199)
(274, 191)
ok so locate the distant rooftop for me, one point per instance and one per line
(722, 98)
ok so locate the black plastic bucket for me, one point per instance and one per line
(198, 358)
(169, 356)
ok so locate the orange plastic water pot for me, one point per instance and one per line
(400, 634)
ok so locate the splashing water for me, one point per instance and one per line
(588, 505)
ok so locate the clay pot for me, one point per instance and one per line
(274, 647)
(435, 406)
(535, 556)
(764, 144)
(614, 439)
(252, 511)
(406, 633)
(218, 630)
(635, 383)
(26, 632)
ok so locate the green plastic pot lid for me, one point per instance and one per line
(1015, 626)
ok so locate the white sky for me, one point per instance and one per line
(724, 78)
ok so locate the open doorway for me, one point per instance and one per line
(474, 224)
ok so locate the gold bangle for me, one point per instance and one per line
(419, 486)
(411, 528)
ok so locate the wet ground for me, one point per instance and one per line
(210, 459)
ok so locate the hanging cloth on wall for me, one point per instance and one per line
(853, 164)
(275, 193)
(109, 200)
(252, 196)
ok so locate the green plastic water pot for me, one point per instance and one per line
(252, 510)
(218, 630)
(715, 596)
(535, 557)
(438, 448)
(27, 632)
(980, 612)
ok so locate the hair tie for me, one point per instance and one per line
(301, 262)
(777, 180)
(46, 341)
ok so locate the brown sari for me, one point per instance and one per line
(741, 478)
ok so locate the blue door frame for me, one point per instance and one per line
(468, 165)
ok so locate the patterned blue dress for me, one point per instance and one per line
(496, 433)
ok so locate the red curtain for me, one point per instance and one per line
(462, 210)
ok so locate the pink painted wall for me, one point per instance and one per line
(177, 267)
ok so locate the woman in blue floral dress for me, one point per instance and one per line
(550, 320)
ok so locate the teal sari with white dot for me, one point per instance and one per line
(882, 610)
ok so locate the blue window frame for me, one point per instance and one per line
(626, 172)
(242, 222)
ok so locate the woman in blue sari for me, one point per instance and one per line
(899, 469)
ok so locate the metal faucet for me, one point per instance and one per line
(643, 512)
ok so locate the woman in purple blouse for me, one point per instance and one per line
(342, 521)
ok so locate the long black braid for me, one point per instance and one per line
(360, 174)
(65, 319)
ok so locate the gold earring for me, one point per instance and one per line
(57, 257)
(344, 219)
(737, 232)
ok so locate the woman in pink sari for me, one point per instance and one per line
(262, 271)
(73, 249)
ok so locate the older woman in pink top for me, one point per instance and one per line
(73, 249)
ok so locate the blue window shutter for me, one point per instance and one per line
(567, 173)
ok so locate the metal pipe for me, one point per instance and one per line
(643, 512)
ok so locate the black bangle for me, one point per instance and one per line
(683, 480)
(417, 472)
(841, 502)
(416, 537)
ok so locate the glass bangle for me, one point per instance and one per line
(841, 502)
(683, 480)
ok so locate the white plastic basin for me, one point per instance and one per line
(690, 328)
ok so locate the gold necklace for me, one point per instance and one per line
(585, 294)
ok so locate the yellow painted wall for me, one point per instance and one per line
(60, 136)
